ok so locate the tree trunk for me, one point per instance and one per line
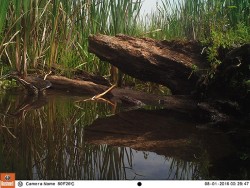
(171, 64)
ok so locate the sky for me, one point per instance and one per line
(148, 5)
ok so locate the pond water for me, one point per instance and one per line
(45, 139)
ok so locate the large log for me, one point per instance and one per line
(169, 64)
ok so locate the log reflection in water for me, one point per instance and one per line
(49, 143)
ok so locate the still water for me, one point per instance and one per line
(45, 139)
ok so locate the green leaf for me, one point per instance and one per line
(3, 10)
(232, 7)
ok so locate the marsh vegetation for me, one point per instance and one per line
(47, 139)
(41, 35)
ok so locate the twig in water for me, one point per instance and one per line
(47, 75)
(99, 97)
(105, 92)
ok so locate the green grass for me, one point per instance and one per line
(44, 33)
(41, 34)
(197, 19)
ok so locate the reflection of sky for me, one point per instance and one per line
(149, 165)
(152, 167)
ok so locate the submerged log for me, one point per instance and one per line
(170, 64)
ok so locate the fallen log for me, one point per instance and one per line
(138, 99)
(171, 64)
(83, 75)
(78, 86)
(79, 74)
(117, 94)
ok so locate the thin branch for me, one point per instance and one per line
(102, 94)
(47, 75)
(9, 131)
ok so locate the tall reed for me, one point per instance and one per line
(40, 34)
(196, 19)
(3, 11)
(55, 32)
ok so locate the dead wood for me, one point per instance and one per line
(117, 94)
(83, 75)
(79, 74)
(151, 60)
(78, 86)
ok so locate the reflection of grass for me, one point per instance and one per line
(184, 170)
(50, 144)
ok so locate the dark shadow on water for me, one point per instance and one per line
(45, 138)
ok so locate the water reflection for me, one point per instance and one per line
(150, 166)
(45, 139)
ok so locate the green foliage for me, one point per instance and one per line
(41, 34)
(3, 10)
(6, 84)
(247, 82)
(197, 19)
(225, 38)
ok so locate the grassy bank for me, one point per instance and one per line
(39, 35)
